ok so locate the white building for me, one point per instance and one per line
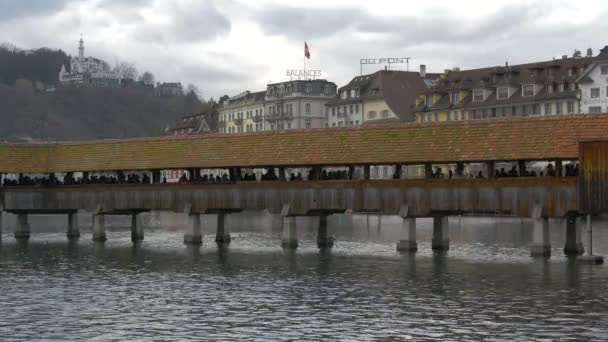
(593, 85)
(88, 70)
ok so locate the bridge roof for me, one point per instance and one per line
(467, 141)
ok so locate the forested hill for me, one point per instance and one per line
(41, 65)
(87, 113)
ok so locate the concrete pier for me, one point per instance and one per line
(541, 243)
(323, 238)
(574, 235)
(407, 242)
(99, 228)
(589, 257)
(289, 239)
(73, 232)
(137, 228)
(222, 233)
(194, 233)
(441, 237)
(22, 230)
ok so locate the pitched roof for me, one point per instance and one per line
(467, 141)
(398, 89)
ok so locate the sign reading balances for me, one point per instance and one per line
(303, 73)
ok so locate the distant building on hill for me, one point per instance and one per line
(189, 124)
(169, 89)
(88, 71)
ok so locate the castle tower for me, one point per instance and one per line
(81, 50)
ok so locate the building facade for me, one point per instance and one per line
(542, 88)
(169, 89)
(242, 113)
(288, 105)
(382, 97)
(88, 70)
(297, 104)
(593, 84)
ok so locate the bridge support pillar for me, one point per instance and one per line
(22, 231)
(441, 237)
(541, 244)
(137, 228)
(407, 242)
(73, 226)
(574, 235)
(289, 239)
(194, 233)
(222, 233)
(99, 228)
(323, 239)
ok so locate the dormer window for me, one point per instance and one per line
(527, 90)
(477, 95)
(572, 86)
(455, 97)
(502, 93)
(308, 88)
(562, 86)
(550, 88)
(604, 69)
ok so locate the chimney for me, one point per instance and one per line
(422, 70)
(589, 52)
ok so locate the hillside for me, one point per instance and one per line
(87, 113)
(40, 65)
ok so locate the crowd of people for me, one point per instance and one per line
(569, 170)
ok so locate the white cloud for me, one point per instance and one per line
(225, 47)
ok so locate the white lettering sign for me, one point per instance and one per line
(301, 73)
(384, 60)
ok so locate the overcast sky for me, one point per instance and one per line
(228, 46)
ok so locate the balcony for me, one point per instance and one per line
(258, 118)
(238, 121)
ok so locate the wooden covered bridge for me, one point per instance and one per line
(58, 178)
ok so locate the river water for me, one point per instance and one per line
(485, 287)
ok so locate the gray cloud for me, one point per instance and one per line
(14, 9)
(198, 22)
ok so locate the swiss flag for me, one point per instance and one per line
(306, 51)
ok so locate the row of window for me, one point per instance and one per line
(343, 123)
(595, 92)
(548, 108)
(352, 109)
(347, 94)
(373, 115)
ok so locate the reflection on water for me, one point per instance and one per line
(485, 287)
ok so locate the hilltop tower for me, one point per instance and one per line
(81, 49)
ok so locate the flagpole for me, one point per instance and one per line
(304, 60)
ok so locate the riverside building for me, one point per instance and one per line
(593, 84)
(533, 89)
(381, 97)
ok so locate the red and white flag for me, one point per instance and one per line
(306, 51)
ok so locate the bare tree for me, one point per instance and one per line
(191, 90)
(126, 70)
(147, 77)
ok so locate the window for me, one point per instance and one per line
(513, 111)
(308, 125)
(474, 114)
(595, 93)
(462, 115)
(493, 112)
(561, 87)
(502, 93)
(308, 108)
(327, 90)
(484, 113)
(371, 114)
(333, 124)
(340, 123)
(548, 109)
(385, 113)
(353, 93)
(333, 111)
(536, 109)
(570, 106)
(357, 108)
(550, 88)
(356, 122)
(604, 69)
(595, 109)
(503, 111)
(455, 115)
(572, 86)
(308, 88)
(429, 117)
(429, 100)
(351, 109)
(436, 116)
(524, 110)
(477, 95)
(289, 125)
(527, 90)
(327, 111)
(448, 116)
(455, 97)
(421, 118)
(558, 108)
